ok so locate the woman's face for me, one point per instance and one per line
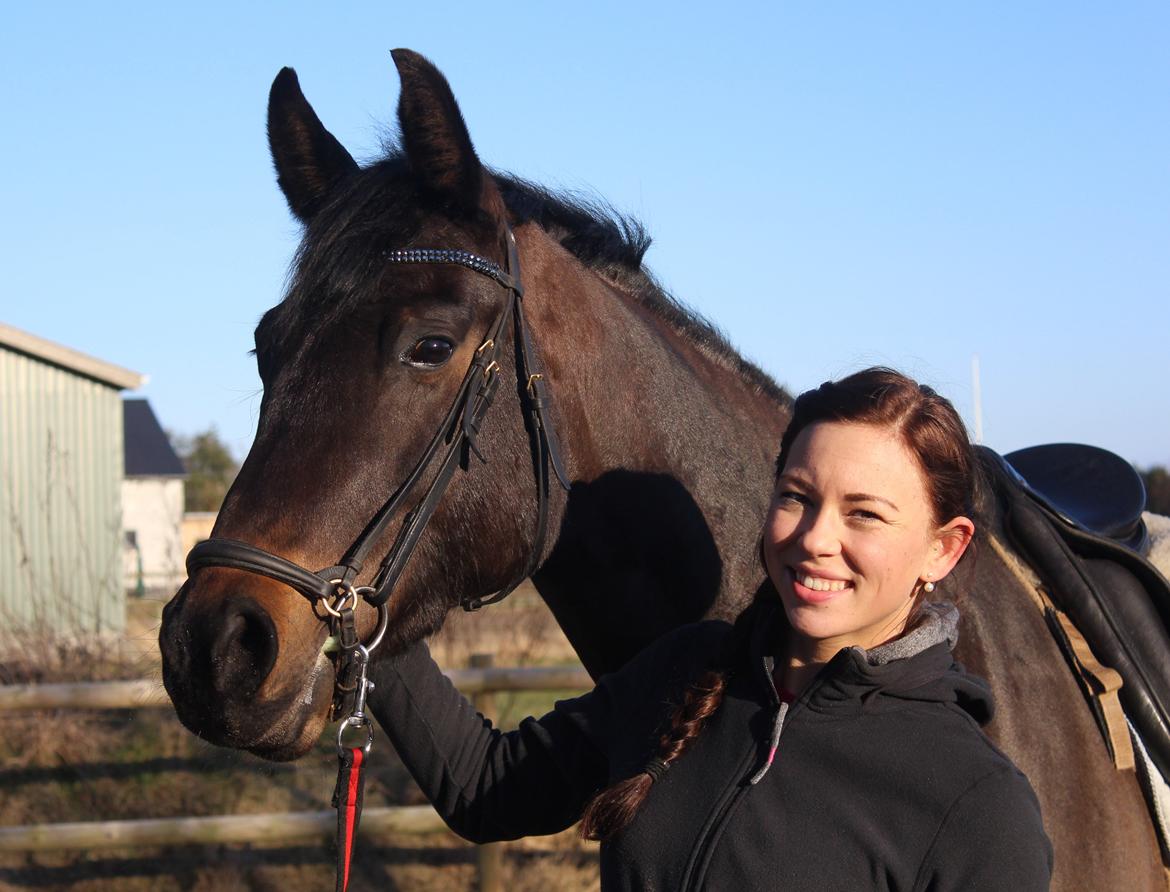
(850, 534)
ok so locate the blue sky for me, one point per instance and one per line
(834, 185)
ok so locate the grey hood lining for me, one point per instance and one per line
(937, 622)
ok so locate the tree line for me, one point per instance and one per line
(1157, 480)
(210, 467)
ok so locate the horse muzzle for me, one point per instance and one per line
(240, 677)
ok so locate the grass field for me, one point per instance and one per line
(92, 766)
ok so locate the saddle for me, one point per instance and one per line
(1092, 489)
(1073, 513)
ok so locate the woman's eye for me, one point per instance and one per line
(790, 497)
(430, 351)
(866, 516)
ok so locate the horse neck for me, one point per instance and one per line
(671, 451)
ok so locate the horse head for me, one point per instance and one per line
(360, 363)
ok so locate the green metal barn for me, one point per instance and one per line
(61, 466)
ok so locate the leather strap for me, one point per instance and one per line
(348, 798)
(1099, 683)
(242, 556)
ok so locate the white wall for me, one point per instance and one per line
(152, 507)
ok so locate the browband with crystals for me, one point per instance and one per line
(451, 255)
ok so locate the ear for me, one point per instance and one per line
(309, 160)
(434, 136)
(951, 540)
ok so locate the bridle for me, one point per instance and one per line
(458, 432)
(451, 446)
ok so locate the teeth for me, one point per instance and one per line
(823, 585)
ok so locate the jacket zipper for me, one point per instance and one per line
(696, 865)
(696, 869)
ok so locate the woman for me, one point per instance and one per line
(827, 741)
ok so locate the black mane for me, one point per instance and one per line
(379, 207)
(614, 245)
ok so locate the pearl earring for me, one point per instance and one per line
(928, 586)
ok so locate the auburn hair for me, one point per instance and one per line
(928, 424)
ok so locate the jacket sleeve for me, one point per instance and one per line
(488, 785)
(992, 838)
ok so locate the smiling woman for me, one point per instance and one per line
(872, 508)
(827, 740)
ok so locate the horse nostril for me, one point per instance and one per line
(244, 652)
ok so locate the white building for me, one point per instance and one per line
(152, 503)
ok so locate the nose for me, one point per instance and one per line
(231, 648)
(244, 648)
(236, 671)
(820, 535)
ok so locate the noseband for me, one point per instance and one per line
(334, 586)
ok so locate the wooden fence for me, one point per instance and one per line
(482, 680)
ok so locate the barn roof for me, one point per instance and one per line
(68, 358)
(148, 450)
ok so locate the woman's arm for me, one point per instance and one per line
(488, 785)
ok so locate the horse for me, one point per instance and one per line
(667, 438)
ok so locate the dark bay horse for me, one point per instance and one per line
(668, 437)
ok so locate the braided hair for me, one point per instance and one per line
(615, 806)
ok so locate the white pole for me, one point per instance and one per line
(977, 396)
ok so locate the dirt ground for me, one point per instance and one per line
(127, 765)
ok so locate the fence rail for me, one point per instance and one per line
(143, 694)
(277, 828)
(481, 681)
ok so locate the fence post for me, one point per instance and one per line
(490, 857)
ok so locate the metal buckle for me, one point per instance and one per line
(347, 592)
(532, 379)
(357, 717)
(486, 345)
(333, 644)
(492, 366)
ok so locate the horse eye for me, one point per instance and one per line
(431, 351)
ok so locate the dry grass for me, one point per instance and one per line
(519, 631)
(126, 765)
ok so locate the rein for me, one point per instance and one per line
(452, 444)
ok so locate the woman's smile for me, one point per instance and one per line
(815, 589)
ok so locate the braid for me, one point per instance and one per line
(701, 699)
(614, 807)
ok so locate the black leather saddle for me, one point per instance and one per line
(1091, 488)
(1074, 523)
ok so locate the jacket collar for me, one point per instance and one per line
(918, 666)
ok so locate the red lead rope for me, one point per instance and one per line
(347, 799)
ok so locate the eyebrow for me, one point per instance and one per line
(866, 497)
(849, 497)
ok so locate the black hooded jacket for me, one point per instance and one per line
(881, 779)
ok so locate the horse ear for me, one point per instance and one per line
(308, 158)
(434, 136)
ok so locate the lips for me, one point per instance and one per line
(816, 589)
